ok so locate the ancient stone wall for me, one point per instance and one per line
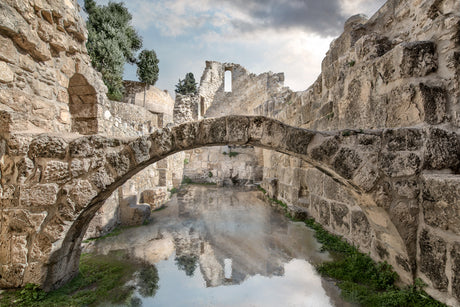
(42, 49)
(151, 98)
(247, 91)
(399, 68)
(47, 84)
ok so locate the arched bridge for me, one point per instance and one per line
(51, 186)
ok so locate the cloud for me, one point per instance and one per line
(290, 36)
(321, 17)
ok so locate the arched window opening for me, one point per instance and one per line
(228, 81)
(82, 105)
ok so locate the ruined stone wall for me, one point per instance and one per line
(247, 91)
(42, 56)
(151, 98)
(399, 68)
(47, 84)
(224, 165)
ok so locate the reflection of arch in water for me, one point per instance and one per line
(82, 105)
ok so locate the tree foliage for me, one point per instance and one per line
(186, 86)
(147, 67)
(112, 41)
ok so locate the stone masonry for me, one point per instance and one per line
(45, 213)
(384, 171)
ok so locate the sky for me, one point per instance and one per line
(290, 36)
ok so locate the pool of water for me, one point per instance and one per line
(222, 247)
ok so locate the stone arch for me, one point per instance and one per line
(85, 171)
(82, 105)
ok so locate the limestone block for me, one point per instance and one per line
(360, 228)
(101, 178)
(400, 164)
(13, 25)
(40, 249)
(442, 150)
(407, 188)
(80, 193)
(367, 176)
(432, 257)
(403, 139)
(322, 209)
(434, 100)
(119, 161)
(141, 149)
(56, 171)
(25, 167)
(85, 126)
(325, 150)
(132, 213)
(45, 146)
(83, 110)
(155, 198)
(19, 249)
(39, 195)
(340, 218)
(6, 74)
(441, 202)
(418, 59)
(455, 256)
(23, 221)
(18, 145)
(8, 52)
(346, 162)
(12, 274)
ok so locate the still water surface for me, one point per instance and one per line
(223, 247)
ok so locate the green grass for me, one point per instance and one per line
(113, 233)
(100, 279)
(233, 154)
(361, 279)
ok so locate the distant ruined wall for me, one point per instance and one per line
(151, 98)
(399, 68)
(248, 90)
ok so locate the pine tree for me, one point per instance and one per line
(147, 67)
(187, 86)
(112, 41)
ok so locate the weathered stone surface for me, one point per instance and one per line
(419, 59)
(441, 202)
(325, 150)
(56, 171)
(340, 217)
(433, 259)
(404, 139)
(400, 164)
(360, 227)
(6, 75)
(442, 150)
(132, 213)
(39, 195)
(346, 162)
(80, 193)
(455, 255)
(47, 147)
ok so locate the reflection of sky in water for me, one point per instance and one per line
(226, 247)
(300, 286)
